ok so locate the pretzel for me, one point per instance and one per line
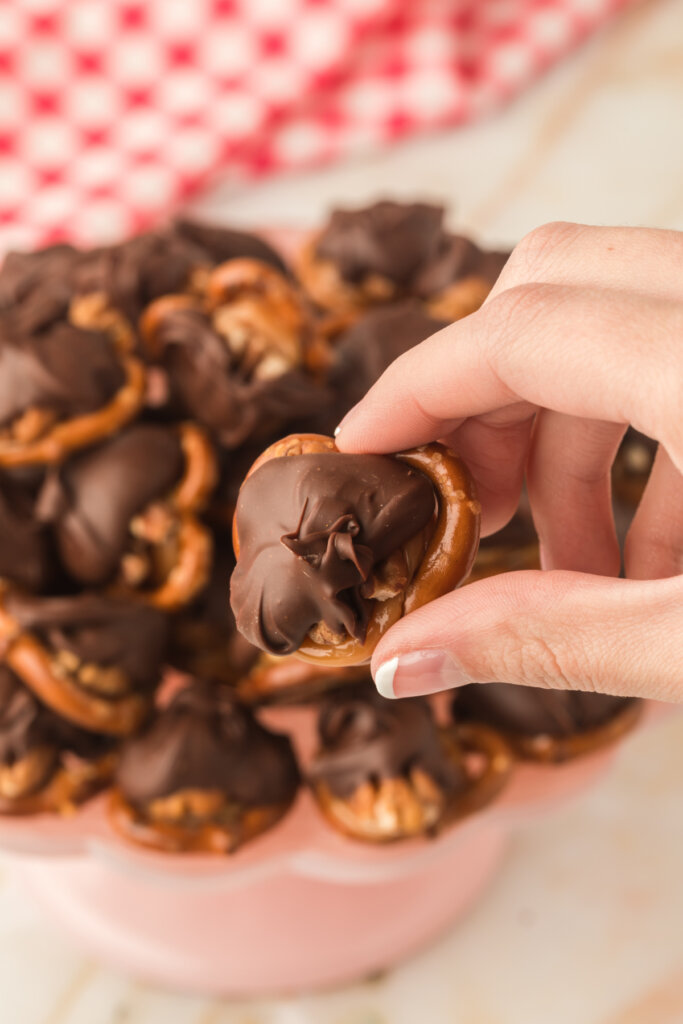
(52, 682)
(459, 299)
(257, 310)
(228, 829)
(176, 520)
(322, 280)
(439, 567)
(70, 785)
(48, 442)
(388, 810)
(290, 680)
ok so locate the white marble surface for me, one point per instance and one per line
(585, 923)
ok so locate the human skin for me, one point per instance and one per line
(581, 336)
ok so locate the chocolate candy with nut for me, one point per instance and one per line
(204, 777)
(94, 660)
(385, 771)
(46, 764)
(547, 725)
(125, 514)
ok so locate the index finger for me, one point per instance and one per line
(599, 354)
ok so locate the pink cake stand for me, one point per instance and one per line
(300, 908)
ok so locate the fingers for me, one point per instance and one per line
(600, 355)
(641, 260)
(554, 629)
(654, 544)
(494, 448)
(568, 479)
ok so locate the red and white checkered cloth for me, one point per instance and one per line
(113, 112)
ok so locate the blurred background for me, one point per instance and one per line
(511, 114)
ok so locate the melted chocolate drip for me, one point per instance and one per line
(205, 740)
(220, 390)
(92, 500)
(101, 630)
(312, 528)
(528, 711)
(365, 738)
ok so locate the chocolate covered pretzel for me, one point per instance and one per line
(204, 777)
(124, 515)
(384, 770)
(241, 357)
(68, 377)
(332, 549)
(391, 250)
(94, 660)
(46, 764)
(547, 725)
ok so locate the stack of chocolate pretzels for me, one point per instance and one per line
(138, 384)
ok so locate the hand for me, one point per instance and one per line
(582, 334)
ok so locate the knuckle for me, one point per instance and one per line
(541, 248)
(512, 310)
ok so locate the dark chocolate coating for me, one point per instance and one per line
(138, 270)
(366, 349)
(47, 363)
(161, 262)
(92, 500)
(25, 723)
(392, 239)
(101, 630)
(458, 257)
(24, 273)
(24, 554)
(208, 383)
(406, 243)
(222, 244)
(205, 740)
(131, 273)
(528, 711)
(311, 530)
(366, 738)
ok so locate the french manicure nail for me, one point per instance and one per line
(419, 673)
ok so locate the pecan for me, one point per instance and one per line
(28, 774)
(186, 803)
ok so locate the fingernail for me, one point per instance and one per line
(419, 673)
(344, 422)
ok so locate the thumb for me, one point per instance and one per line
(563, 630)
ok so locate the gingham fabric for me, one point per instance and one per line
(114, 112)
